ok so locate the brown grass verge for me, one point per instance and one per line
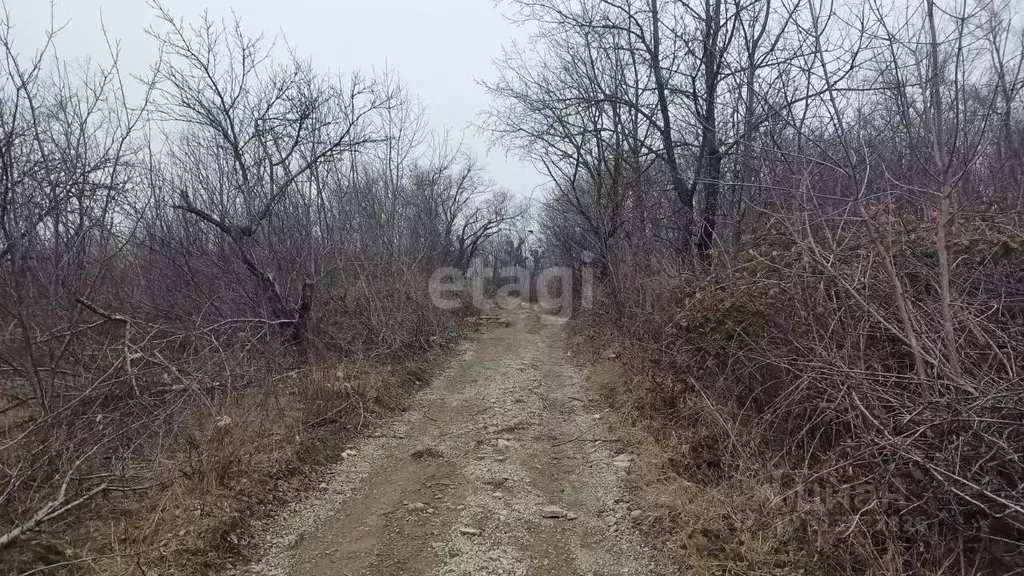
(709, 527)
(228, 465)
(791, 432)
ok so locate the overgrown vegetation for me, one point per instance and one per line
(805, 223)
(795, 418)
(205, 288)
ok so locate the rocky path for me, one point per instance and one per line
(500, 468)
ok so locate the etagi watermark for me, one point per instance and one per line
(552, 288)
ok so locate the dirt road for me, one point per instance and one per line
(501, 467)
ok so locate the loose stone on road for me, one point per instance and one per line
(496, 469)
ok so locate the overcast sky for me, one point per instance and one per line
(439, 47)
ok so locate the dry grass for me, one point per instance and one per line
(710, 527)
(162, 443)
(793, 433)
(229, 464)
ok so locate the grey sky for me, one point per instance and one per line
(438, 47)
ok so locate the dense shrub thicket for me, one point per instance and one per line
(180, 272)
(806, 223)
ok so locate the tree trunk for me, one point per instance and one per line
(945, 193)
(709, 217)
(298, 334)
(683, 192)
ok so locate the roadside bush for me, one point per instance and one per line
(786, 369)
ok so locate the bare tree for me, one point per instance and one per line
(254, 133)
